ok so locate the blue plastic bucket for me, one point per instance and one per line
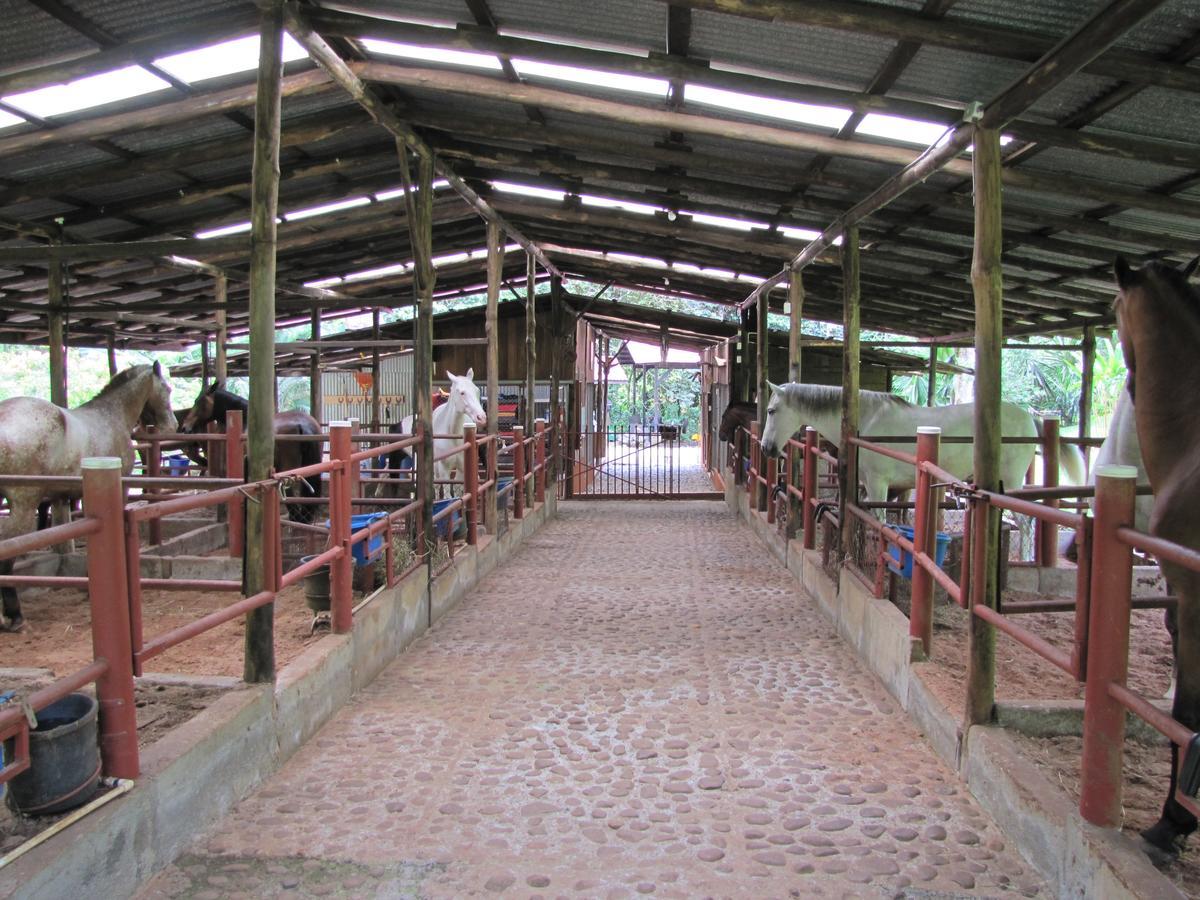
(368, 550)
(454, 520)
(502, 499)
(175, 464)
(903, 558)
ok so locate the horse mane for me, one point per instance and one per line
(828, 399)
(1177, 280)
(121, 379)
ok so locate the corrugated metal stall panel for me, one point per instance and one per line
(346, 397)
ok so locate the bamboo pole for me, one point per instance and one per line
(221, 298)
(795, 321)
(851, 316)
(989, 336)
(260, 643)
(495, 273)
(315, 400)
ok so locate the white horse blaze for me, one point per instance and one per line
(794, 406)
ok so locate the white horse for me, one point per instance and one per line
(795, 405)
(448, 419)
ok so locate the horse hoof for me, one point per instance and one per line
(1163, 842)
(12, 625)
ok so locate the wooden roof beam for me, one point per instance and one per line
(330, 62)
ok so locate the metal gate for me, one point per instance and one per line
(639, 464)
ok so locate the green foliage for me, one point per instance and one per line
(679, 393)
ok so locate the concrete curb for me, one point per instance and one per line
(195, 774)
(1077, 860)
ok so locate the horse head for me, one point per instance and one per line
(203, 411)
(464, 397)
(1141, 293)
(783, 420)
(157, 409)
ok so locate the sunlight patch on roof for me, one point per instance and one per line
(724, 221)
(7, 119)
(637, 84)
(567, 41)
(753, 279)
(528, 190)
(225, 58)
(644, 209)
(449, 259)
(84, 93)
(789, 110)
(898, 128)
(236, 228)
(326, 208)
(432, 54)
(378, 272)
(636, 260)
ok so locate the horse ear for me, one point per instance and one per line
(450, 375)
(214, 387)
(775, 389)
(1124, 272)
(1188, 269)
(158, 369)
(470, 376)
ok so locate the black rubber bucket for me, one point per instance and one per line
(64, 755)
(316, 587)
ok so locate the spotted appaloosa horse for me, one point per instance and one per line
(214, 404)
(39, 438)
(1158, 317)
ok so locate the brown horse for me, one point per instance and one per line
(738, 414)
(39, 438)
(214, 404)
(1158, 317)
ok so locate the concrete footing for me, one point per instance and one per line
(196, 773)
(1077, 859)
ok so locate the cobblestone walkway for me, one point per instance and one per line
(639, 703)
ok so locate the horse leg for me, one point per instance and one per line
(12, 620)
(43, 515)
(1176, 822)
(23, 514)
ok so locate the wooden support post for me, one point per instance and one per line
(920, 619)
(205, 365)
(1087, 380)
(341, 570)
(795, 321)
(495, 271)
(795, 476)
(931, 388)
(315, 400)
(1046, 533)
(809, 468)
(761, 391)
(112, 356)
(518, 493)
(221, 339)
(57, 339)
(740, 369)
(419, 202)
(539, 460)
(530, 352)
(235, 466)
(376, 404)
(471, 482)
(264, 201)
(851, 316)
(557, 356)
(1108, 648)
(104, 499)
(989, 336)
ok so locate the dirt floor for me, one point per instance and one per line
(57, 633)
(1022, 675)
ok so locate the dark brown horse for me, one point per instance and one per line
(1158, 316)
(214, 404)
(738, 414)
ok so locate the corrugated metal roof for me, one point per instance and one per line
(820, 55)
(1157, 112)
(635, 23)
(126, 19)
(30, 34)
(956, 76)
(1101, 168)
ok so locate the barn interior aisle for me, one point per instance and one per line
(631, 705)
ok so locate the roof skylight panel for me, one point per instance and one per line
(432, 54)
(724, 221)
(832, 117)
(326, 208)
(637, 84)
(644, 209)
(225, 58)
(236, 228)
(528, 190)
(898, 128)
(7, 119)
(84, 93)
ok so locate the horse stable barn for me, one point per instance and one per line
(870, 665)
